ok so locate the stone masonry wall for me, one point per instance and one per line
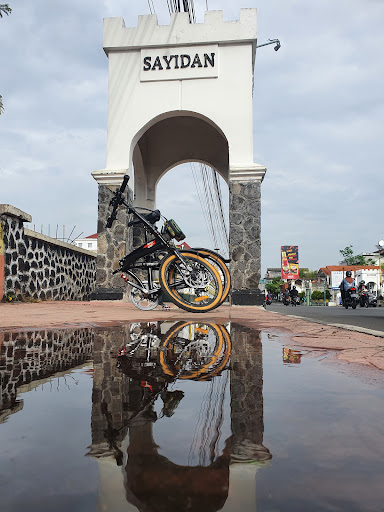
(41, 267)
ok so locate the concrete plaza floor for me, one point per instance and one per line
(357, 348)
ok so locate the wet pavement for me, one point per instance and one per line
(255, 411)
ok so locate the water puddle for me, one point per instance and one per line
(184, 416)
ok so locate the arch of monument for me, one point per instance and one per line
(182, 93)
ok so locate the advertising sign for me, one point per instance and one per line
(289, 262)
(291, 356)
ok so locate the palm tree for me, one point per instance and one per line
(4, 9)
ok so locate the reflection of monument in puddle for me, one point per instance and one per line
(247, 423)
(30, 358)
(123, 402)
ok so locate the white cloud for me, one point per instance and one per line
(318, 111)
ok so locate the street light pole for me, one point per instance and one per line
(276, 42)
(380, 245)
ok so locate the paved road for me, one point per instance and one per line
(370, 319)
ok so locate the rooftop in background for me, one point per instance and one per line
(334, 268)
(89, 242)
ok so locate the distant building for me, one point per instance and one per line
(183, 246)
(272, 273)
(89, 243)
(377, 257)
(334, 274)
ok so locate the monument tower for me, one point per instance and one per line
(182, 93)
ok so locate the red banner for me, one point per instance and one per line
(289, 262)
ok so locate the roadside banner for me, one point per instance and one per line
(289, 262)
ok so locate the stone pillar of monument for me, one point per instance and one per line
(113, 243)
(244, 235)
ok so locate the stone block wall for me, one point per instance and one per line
(41, 267)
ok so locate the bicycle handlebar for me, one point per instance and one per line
(124, 184)
(117, 200)
(147, 220)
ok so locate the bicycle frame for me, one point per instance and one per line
(159, 243)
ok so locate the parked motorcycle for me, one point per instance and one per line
(351, 298)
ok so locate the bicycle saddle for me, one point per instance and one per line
(150, 217)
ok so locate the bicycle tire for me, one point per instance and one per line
(204, 277)
(218, 261)
(139, 299)
(213, 364)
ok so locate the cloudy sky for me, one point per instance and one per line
(318, 120)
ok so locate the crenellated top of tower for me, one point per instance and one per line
(149, 34)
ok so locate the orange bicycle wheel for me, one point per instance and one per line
(195, 287)
(218, 262)
(196, 351)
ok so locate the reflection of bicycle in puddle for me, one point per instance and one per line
(189, 350)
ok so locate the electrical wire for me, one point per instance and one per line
(208, 190)
(151, 7)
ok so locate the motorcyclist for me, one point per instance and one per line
(347, 283)
(286, 296)
(362, 288)
(294, 294)
(363, 294)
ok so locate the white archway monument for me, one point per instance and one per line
(182, 93)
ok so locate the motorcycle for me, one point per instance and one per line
(268, 301)
(351, 298)
(372, 300)
(286, 300)
(368, 299)
(295, 301)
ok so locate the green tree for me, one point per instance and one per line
(319, 295)
(354, 259)
(4, 9)
(274, 287)
(305, 273)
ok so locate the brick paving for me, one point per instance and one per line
(349, 346)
